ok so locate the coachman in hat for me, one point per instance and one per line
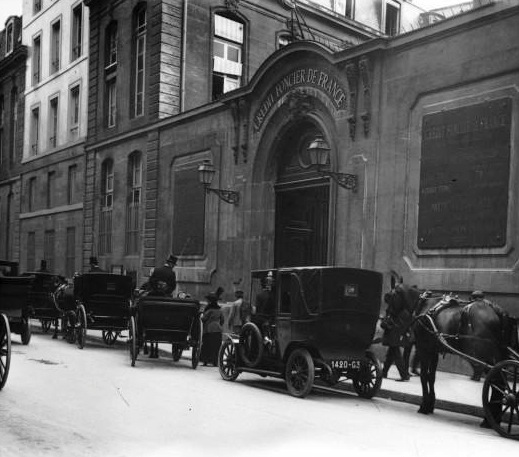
(94, 265)
(163, 280)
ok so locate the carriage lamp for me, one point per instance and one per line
(319, 153)
(206, 172)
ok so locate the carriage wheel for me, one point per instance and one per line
(26, 330)
(300, 373)
(5, 349)
(45, 325)
(81, 327)
(368, 381)
(132, 340)
(197, 346)
(227, 363)
(176, 351)
(110, 337)
(251, 344)
(501, 397)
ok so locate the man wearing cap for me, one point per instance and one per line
(163, 279)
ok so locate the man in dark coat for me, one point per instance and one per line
(163, 279)
(94, 265)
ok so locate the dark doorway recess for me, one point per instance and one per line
(302, 226)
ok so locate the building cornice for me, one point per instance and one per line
(14, 59)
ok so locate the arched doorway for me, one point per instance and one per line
(302, 202)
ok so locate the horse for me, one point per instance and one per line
(479, 331)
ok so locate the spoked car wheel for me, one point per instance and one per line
(197, 345)
(110, 337)
(227, 363)
(300, 373)
(251, 344)
(132, 340)
(368, 380)
(81, 327)
(501, 398)
(5, 349)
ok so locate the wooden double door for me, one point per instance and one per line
(301, 237)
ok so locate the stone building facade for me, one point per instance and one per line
(13, 56)
(422, 124)
(51, 209)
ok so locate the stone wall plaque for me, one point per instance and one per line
(464, 177)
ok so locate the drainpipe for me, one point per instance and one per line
(183, 60)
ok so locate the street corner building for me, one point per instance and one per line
(245, 135)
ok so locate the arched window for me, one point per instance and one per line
(228, 50)
(107, 200)
(134, 186)
(139, 58)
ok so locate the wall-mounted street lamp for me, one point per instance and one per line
(319, 153)
(206, 172)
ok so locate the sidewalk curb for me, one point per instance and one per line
(413, 399)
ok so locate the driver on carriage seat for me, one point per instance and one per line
(163, 279)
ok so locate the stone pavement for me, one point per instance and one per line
(454, 392)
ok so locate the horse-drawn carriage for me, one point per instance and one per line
(104, 302)
(14, 292)
(43, 300)
(310, 324)
(478, 331)
(162, 319)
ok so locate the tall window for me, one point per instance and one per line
(111, 101)
(391, 17)
(134, 201)
(2, 120)
(111, 45)
(51, 182)
(105, 219)
(49, 240)
(53, 122)
(31, 251)
(71, 184)
(9, 38)
(77, 31)
(35, 130)
(55, 47)
(74, 105)
(36, 6)
(139, 40)
(14, 124)
(70, 252)
(31, 198)
(227, 54)
(36, 60)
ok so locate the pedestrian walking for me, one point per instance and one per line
(212, 319)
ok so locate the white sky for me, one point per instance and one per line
(9, 8)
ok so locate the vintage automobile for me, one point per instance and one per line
(14, 292)
(311, 324)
